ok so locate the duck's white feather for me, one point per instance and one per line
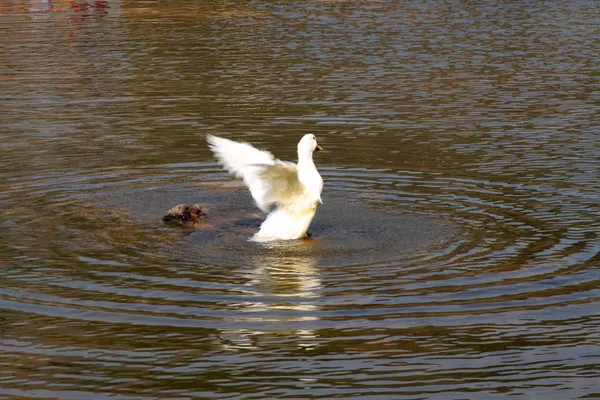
(271, 181)
(236, 157)
(294, 190)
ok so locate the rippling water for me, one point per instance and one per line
(456, 254)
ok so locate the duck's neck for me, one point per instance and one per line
(309, 176)
(305, 162)
(306, 166)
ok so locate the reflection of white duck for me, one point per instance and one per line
(286, 289)
(293, 189)
(288, 276)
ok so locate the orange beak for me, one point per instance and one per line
(318, 148)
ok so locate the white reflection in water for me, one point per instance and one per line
(287, 285)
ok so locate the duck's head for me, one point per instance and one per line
(308, 144)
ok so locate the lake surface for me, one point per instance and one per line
(457, 252)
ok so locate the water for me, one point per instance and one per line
(456, 254)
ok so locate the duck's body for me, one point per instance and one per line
(187, 215)
(294, 190)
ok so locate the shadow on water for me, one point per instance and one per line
(343, 232)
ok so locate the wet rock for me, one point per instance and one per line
(185, 215)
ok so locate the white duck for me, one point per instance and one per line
(290, 192)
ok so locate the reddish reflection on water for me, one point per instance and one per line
(85, 9)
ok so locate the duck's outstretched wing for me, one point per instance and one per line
(238, 157)
(281, 184)
(271, 182)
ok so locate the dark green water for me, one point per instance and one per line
(457, 252)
